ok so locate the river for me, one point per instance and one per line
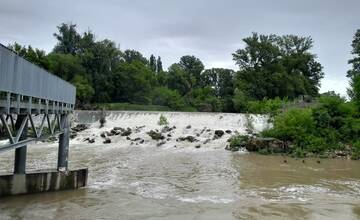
(179, 181)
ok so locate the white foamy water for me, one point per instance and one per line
(200, 125)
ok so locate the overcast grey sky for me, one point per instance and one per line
(208, 29)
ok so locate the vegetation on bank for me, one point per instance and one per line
(331, 128)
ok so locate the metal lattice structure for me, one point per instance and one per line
(28, 92)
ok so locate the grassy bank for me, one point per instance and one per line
(131, 107)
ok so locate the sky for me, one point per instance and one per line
(208, 29)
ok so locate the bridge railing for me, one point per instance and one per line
(40, 88)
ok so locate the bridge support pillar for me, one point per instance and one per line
(64, 138)
(20, 153)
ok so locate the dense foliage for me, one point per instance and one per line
(333, 125)
(271, 67)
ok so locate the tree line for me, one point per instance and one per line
(270, 67)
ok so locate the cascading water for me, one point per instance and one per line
(199, 125)
(132, 179)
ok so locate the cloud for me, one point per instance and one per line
(209, 29)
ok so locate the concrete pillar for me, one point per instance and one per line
(64, 138)
(20, 153)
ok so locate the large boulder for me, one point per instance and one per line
(80, 127)
(156, 135)
(189, 138)
(218, 134)
(270, 144)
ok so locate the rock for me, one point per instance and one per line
(169, 139)
(207, 141)
(197, 135)
(228, 131)
(169, 135)
(109, 134)
(92, 140)
(218, 134)
(107, 141)
(128, 138)
(138, 129)
(126, 132)
(73, 135)
(142, 141)
(161, 143)
(118, 129)
(166, 129)
(115, 132)
(103, 135)
(155, 135)
(198, 146)
(187, 138)
(188, 127)
(271, 144)
(80, 127)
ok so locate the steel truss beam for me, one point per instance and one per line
(53, 124)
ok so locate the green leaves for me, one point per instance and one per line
(277, 66)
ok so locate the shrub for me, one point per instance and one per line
(293, 125)
(162, 121)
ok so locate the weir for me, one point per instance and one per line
(34, 105)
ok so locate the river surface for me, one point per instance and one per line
(145, 181)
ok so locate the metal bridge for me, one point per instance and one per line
(30, 94)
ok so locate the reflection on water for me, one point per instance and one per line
(148, 182)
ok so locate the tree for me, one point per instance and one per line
(152, 63)
(221, 80)
(84, 91)
(133, 55)
(193, 68)
(178, 79)
(66, 66)
(167, 97)
(35, 56)
(68, 39)
(277, 66)
(159, 67)
(355, 62)
(133, 82)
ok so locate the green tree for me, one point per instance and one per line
(178, 79)
(159, 67)
(167, 97)
(133, 82)
(66, 66)
(35, 56)
(221, 80)
(133, 55)
(355, 62)
(152, 63)
(68, 39)
(277, 66)
(84, 91)
(193, 68)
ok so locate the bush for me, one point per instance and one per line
(266, 106)
(162, 121)
(167, 97)
(293, 125)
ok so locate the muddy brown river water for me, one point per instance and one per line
(149, 182)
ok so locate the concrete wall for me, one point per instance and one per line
(42, 181)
